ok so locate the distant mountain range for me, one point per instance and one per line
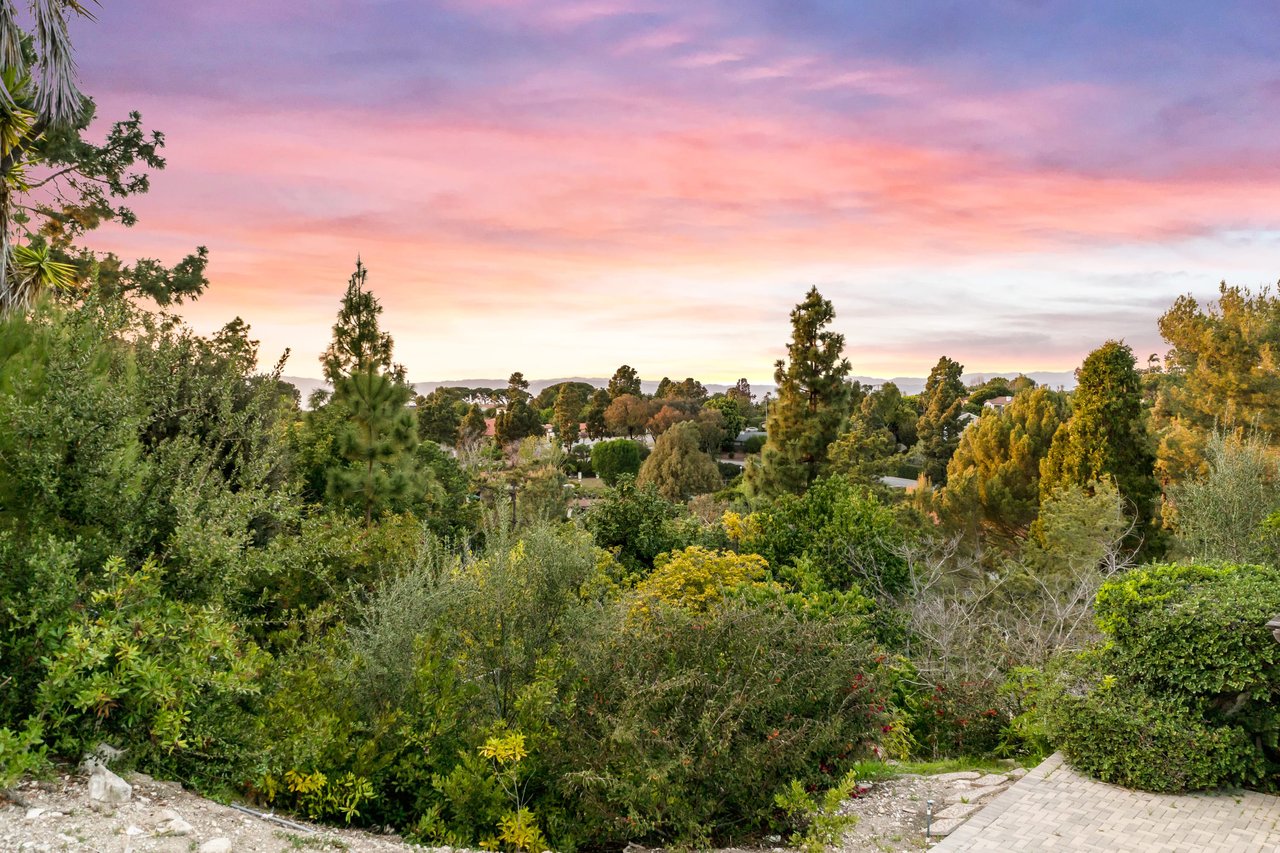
(1065, 379)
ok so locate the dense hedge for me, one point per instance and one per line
(1183, 693)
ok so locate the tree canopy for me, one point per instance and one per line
(811, 405)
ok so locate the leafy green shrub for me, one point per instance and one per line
(686, 724)
(21, 752)
(1196, 630)
(1122, 733)
(754, 444)
(957, 718)
(1183, 694)
(612, 459)
(636, 524)
(818, 822)
(843, 528)
(164, 679)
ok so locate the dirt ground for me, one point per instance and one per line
(162, 817)
(59, 815)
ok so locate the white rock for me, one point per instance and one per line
(32, 814)
(216, 845)
(107, 787)
(135, 830)
(173, 823)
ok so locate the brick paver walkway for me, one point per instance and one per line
(1055, 808)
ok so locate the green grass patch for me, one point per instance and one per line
(872, 771)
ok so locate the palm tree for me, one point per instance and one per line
(38, 92)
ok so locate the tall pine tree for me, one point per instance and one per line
(811, 406)
(378, 468)
(1106, 437)
(939, 426)
(993, 480)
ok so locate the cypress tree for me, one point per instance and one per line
(597, 427)
(811, 407)
(438, 418)
(566, 419)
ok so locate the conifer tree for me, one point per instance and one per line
(380, 434)
(1222, 373)
(625, 381)
(677, 467)
(378, 444)
(811, 407)
(597, 427)
(358, 343)
(886, 408)
(473, 425)
(993, 480)
(566, 420)
(518, 420)
(438, 418)
(939, 427)
(1106, 437)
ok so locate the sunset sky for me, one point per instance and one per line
(562, 186)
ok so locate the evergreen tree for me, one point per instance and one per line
(438, 418)
(733, 417)
(598, 405)
(519, 420)
(377, 444)
(473, 426)
(939, 426)
(993, 480)
(380, 434)
(625, 381)
(886, 408)
(1106, 437)
(611, 459)
(811, 407)
(1222, 372)
(567, 410)
(863, 453)
(358, 343)
(741, 393)
(677, 467)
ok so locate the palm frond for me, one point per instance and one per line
(11, 58)
(58, 98)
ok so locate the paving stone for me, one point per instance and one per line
(957, 810)
(975, 795)
(943, 828)
(1053, 807)
(961, 776)
(990, 780)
